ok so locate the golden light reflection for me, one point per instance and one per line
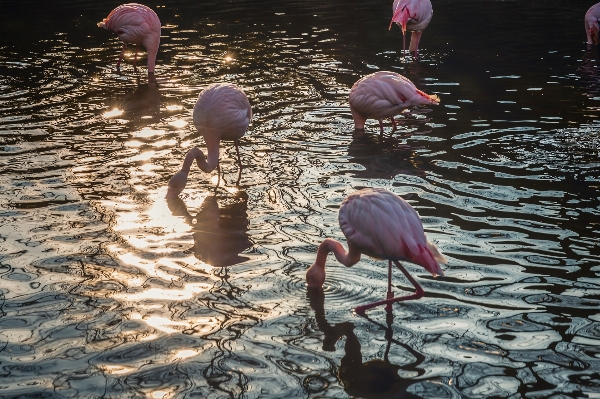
(149, 132)
(179, 123)
(159, 394)
(228, 58)
(160, 323)
(116, 368)
(161, 294)
(113, 112)
(185, 353)
(174, 107)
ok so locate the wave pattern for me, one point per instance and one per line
(109, 289)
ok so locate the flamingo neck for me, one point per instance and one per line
(212, 159)
(315, 275)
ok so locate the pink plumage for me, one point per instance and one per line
(378, 223)
(382, 95)
(222, 112)
(591, 23)
(412, 15)
(136, 24)
(382, 225)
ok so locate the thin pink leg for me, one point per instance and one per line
(380, 128)
(238, 154)
(394, 123)
(418, 293)
(121, 57)
(403, 44)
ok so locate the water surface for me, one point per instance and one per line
(109, 290)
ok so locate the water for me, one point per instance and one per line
(108, 290)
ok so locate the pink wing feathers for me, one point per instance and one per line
(384, 94)
(383, 225)
(412, 15)
(591, 23)
(136, 24)
(225, 108)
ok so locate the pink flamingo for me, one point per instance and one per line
(412, 15)
(591, 24)
(136, 24)
(222, 112)
(382, 95)
(382, 225)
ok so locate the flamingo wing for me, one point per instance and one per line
(383, 225)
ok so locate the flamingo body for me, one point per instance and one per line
(380, 224)
(135, 24)
(222, 112)
(414, 16)
(382, 95)
(591, 24)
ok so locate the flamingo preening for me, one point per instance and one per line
(591, 24)
(412, 15)
(382, 95)
(222, 112)
(136, 24)
(380, 224)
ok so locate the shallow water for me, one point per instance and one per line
(108, 289)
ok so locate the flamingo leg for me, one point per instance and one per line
(394, 124)
(380, 128)
(418, 293)
(121, 57)
(135, 59)
(403, 44)
(237, 149)
(390, 294)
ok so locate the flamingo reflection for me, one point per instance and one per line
(382, 159)
(376, 378)
(220, 233)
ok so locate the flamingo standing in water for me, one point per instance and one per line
(222, 112)
(591, 24)
(380, 224)
(412, 15)
(382, 95)
(137, 24)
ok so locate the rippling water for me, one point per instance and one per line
(108, 290)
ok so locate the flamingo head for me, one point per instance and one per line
(315, 275)
(429, 98)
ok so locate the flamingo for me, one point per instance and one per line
(222, 112)
(591, 24)
(412, 15)
(380, 224)
(136, 24)
(382, 95)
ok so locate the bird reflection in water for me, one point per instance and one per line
(220, 233)
(144, 103)
(376, 378)
(588, 70)
(382, 159)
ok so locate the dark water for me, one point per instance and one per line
(107, 290)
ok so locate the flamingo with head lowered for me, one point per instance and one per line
(136, 24)
(412, 15)
(380, 224)
(591, 24)
(382, 95)
(222, 112)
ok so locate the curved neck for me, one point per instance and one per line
(212, 160)
(315, 275)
